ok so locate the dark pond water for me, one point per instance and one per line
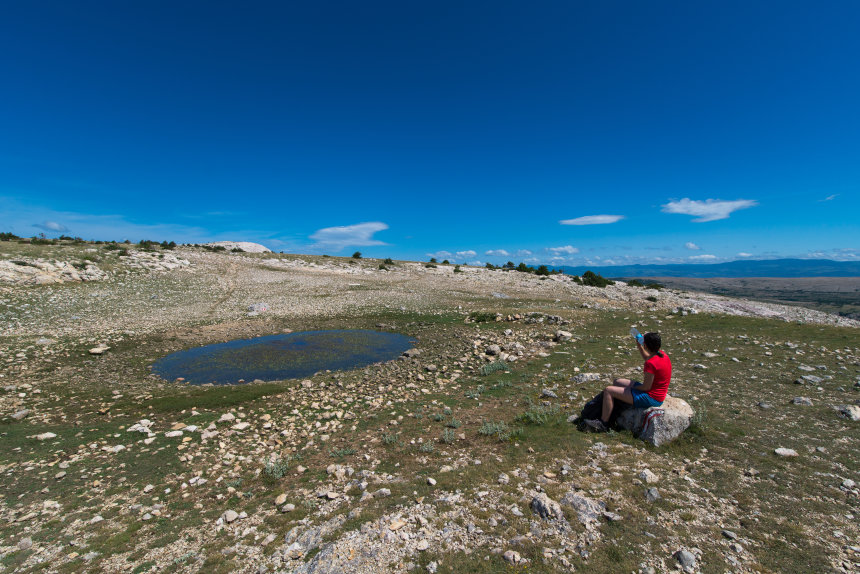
(276, 357)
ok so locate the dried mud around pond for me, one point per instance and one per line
(284, 356)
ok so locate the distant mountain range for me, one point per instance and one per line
(741, 268)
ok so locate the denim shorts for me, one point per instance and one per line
(642, 400)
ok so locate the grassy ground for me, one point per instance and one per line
(789, 514)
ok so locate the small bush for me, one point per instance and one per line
(123, 252)
(446, 262)
(499, 429)
(42, 241)
(382, 267)
(8, 236)
(493, 367)
(111, 247)
(389, 438)
(453, 424)
(656, 286)
(388, 261)
(448, 436)
(457, 269)
(538, 414)
(635, 283)
(433, 260)
(592, 279)
(356, 255)
(342, 452)
(651, 298)
(430, 265)
(427, 447)
(438, 417)
(237, 250)
(542, 270)
(475, 393)
(277, 468)
(481, 317)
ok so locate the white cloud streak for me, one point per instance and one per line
(691, 245)
(708, 210)
(51, 226)
(358, 235)
(567, 249)
(465, 254)
(497, 253)
(592, 220)
(703, 257)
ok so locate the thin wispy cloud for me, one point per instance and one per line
(703, 257)
(440, 255)
(829, 197)
(691, 245)
(497, 253)
(566, 249)
(523, 253)
(358, 235)
(465, 254)
(708, 210)
(51, 226)
(592, 220)
(744, 254)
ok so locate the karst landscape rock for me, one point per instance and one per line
(457, 456)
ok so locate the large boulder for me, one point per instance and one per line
(658, 425)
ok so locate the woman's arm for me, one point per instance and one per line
(645, 354)
(646, 384)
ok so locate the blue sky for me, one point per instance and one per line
(551, 132)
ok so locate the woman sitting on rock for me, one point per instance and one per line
(651, 393)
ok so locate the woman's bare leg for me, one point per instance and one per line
(610, 393)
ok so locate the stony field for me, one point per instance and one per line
(458, 457)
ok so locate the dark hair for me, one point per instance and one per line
(653, 343)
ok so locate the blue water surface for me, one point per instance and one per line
(277, 357)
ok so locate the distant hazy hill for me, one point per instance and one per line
(743, 268)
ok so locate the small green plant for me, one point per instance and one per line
(438, 417)
(481, 317)
(427, 447)
(635, 283)
(538, 414)
(651, 298)
(237, 250)
(542, 270)
(430, 265)
(457, 269)
(447, 411)
(356, 255)
(474, 393)
(382, 267)
(655, 286)
(342, 452)
(123, 252)
(498, 429)
(276, 468)
(388, 261)
(8, 236)
(446, 262)
(454, 424)
(493, 367)
(235, 483)
(502, 385)
(433, 260)
(389, 438)
(448, 436)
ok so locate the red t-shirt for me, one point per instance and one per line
(662, 369)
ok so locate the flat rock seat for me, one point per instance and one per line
(658, 425)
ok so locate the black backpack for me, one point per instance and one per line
(593, 409)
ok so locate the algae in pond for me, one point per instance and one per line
(277, 357)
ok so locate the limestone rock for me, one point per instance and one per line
(851, 412)
(588, 511)
(785, 451)
(657, 428)
(546, 508)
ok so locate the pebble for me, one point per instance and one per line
(230, 516)
(431, 481)
(652, 494)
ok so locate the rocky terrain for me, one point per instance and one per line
(457, 457)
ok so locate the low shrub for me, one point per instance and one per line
(498, 429)
(276, 468)
(635, 283)
(538, 414)
(448, 436)
(481, 317)
(493, 367)
(592, 279)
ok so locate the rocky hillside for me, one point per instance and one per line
(457, 457)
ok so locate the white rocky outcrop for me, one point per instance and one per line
(658, 425)
(246, 246)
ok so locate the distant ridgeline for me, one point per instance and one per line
(742, 268)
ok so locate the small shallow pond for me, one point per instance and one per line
(277, 357)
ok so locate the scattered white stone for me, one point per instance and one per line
(785, 451)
